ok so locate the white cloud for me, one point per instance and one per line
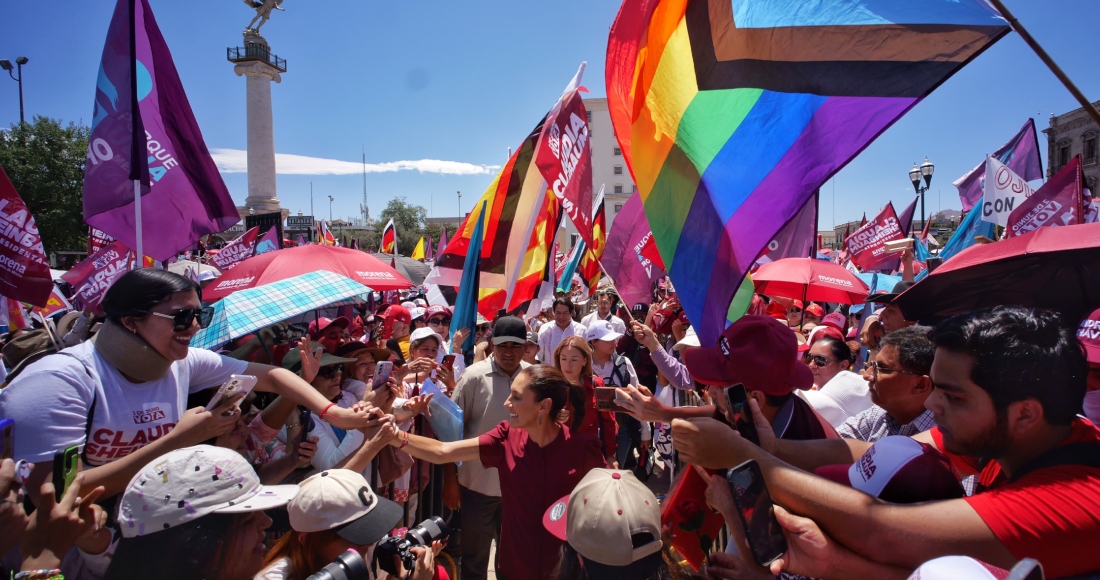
(236, 161)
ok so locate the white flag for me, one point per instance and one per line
(1004, 191)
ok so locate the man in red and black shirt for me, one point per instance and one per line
(1008, 383)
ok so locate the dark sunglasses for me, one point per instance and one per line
(440, 322)
(817, 359)
(482, 327)
(181, 319)
(329, 371)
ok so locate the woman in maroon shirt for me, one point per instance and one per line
(538, 461)
(573, 357)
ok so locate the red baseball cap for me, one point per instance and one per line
(756, 351)
(398, 312)
(899, 469)
(1088, 334)
(319, 326)
(436, 309)
(776, 310)
(816, 310)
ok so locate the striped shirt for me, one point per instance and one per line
(875, 423)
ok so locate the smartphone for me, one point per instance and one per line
(605, 400)
(382, 372)
(7, 438)
(64, 470)
(305, 419)
(737, 401)
(448, 362)
(236, 384)
(754, 506)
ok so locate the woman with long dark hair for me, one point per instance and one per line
(538, 460)
(122, 396)
(573, 357)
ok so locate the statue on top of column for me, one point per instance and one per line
(263, 13)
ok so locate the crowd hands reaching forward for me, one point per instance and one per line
(829, 442)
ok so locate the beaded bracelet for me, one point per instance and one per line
(54, 574)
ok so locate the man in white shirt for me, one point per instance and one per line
(550, 335)
(605, 301)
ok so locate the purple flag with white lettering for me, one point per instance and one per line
(633, 273)
(796, 239)
(1020, 154)
(143, 129)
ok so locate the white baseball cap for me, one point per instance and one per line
(341, 500)
(187, 484)
(952, 567)
(690, 339)
(417, 312)
(601, 330)
(422, 333)
(607, 513)
(899, 469)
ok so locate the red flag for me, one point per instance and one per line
(650, 252)
(55, 303)
(95, 274)
(863, 222)
(868, 244)
(97, 239)
(24, 271)
(1059, 202)
(389, 239)
(924, 234)
(239, 249)
(589, 268)
(565, 158)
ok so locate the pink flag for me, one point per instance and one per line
(1059, 202)
(868, 244)
(24, 271)
(565, 157)
(95, 274)
(905, 220)
(442, 242)
(269, 243)
(632, 272)
(239, 249)
(796, 239)
(1020, 154)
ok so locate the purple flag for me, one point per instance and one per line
(269, 243)
(1020, 154)
(143, 129)
(442, 242)
(622, 260)
(905, 221)
(796, 239)
(429, 254)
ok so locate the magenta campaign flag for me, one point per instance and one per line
(905, 220)
(1059, 202)
(24, 271)
(867, 245)
(622, 260)
(269, 243)
(442, 242)
(239, 249)
(796, 239)
(1020, 154)
(94, 275)
(143, 130)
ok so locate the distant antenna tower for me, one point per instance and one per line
(364, 207)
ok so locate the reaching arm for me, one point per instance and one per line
(291, 386)
(433, 450)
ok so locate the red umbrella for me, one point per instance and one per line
(809, 279)
(1051, 267)
(290, 262)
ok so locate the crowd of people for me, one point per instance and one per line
(889, 447)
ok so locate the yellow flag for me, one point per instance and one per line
(418, 252)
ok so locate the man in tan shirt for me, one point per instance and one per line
(481, 393)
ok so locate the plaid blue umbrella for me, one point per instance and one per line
(249, 310)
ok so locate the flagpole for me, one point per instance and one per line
(1043, 56)
(137, 223)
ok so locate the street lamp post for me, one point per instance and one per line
(19, 62)
(330, 198)
(460, 206)
(915, 174)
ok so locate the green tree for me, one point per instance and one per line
(408, 219)
(45, 162)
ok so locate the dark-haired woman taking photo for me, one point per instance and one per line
(538, 459)
(121, 397)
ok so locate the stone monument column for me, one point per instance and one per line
(260, 67)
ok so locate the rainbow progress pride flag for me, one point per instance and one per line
(730, 113)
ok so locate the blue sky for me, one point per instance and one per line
(464, 81)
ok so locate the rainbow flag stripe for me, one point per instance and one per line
(730, 113)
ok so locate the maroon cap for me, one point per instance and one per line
(398, 312)
(899, 469)
(436, 309)
(756, 351)
(319, 326)
(1088, 334)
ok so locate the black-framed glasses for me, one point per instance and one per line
(483, 328)
(440, 322)
(181, 319)
(330, 371)
(817, 359)
(877, 368)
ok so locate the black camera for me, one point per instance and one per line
(428, 531)
(347, 566)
